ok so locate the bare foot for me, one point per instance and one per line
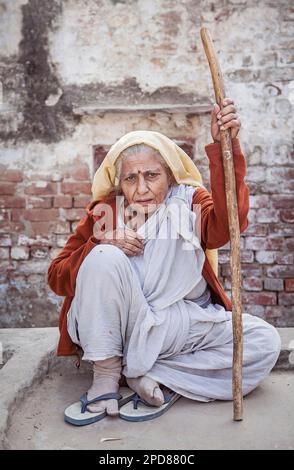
(147, 389)
(105, 380)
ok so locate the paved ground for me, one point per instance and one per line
(37, 420)
(268, 421)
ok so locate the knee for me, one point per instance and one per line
(105, 257)
(262, 334)
(270, 345)
(273, 339)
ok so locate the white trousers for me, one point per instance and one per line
(105, 319)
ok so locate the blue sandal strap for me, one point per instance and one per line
(168, 394)
(107, 396)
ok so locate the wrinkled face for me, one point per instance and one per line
(144, 182)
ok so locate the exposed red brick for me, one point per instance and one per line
(247, 256)
(253, 187)
(20, 252)
(289, 284)
(7, 189)
(7, 266)
(253, 309)
(282, 174)
(14, 176)
(81, 201)
(10, 227)
(260, 243)
(259, 298)
(80, 172)
(16, 278)
(273, 284)
(286, 298)
(287, 216)
(251, 283)
(4, 215)
(223, 257)
(74, 225)
(275, 187)
(252, 216)
(54, 252)
(265, 257)
(5, 240)
(36, 279)
(284, 258)
(61, 240)
(273, 311)
(289, 244)
(41, 188)
(267, 215)
(35, 215)
(99, 154)
(39, 202)
(39, 241)
(257, 230)
(12, 201)
(75, 188)
(73, 214)
(4, 253)
(282, 229)
(39, 252)
(282, 202)
(259, 201)
(228, 245)
(44, 229)
(76, 171)
(249, 270)
(61, 227)
(280, 271)
(62, 201)
(57, 177)
(40, 177)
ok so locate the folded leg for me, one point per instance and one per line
(205, 374)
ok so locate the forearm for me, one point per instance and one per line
(214, 214)
(63, 271)
(64, 268)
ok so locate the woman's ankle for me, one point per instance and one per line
(107, 368)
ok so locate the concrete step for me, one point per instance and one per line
(286, 358)
(28, 355)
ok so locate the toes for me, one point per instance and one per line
(154, 396)
(158, 396)
(112, 408)
(97, 407)
(149, 392)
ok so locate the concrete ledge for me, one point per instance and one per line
(30, 350)
(92, 110)
(286, 358)
(30, 355)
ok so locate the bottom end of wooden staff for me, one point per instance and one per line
(238, 408)
(238, 418)
(238, 414)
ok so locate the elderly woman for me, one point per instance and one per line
(140, 279)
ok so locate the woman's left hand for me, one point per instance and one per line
(224, 118)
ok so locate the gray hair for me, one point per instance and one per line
(134, 150)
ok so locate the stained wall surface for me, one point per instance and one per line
(78, 74)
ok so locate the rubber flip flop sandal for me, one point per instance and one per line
(78, 415)
(139, 410)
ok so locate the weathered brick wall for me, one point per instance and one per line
(77, 75)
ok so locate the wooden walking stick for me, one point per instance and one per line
(232, 208)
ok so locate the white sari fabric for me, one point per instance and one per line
(155, 310)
